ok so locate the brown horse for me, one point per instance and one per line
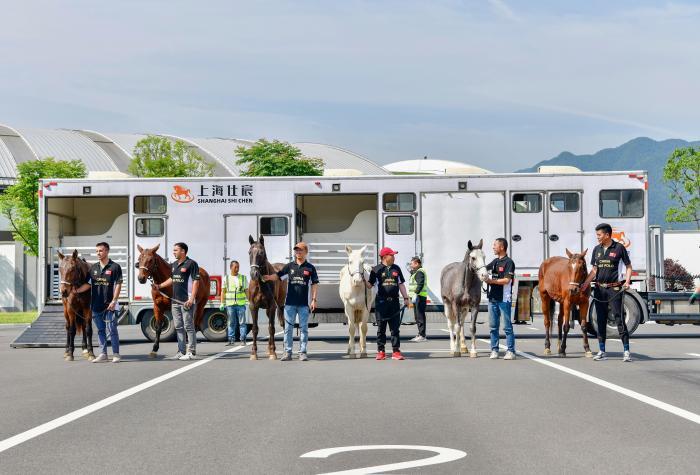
(267, 295)
(153, 267)
(73, 272)
(562, 280)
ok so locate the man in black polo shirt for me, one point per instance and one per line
(605, 260)
(389, 278)
(298, 274)
(500, 296)
(105, 281)
(185, 281)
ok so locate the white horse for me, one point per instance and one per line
(356, 297)
(460, 283)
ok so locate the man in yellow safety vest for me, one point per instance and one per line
(418, 293)
(234, 299)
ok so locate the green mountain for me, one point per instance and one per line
(641, 153)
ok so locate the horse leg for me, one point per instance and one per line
(71, 341)
(363, 334)
(564, 309)
(271, 350)
(350, 315)
(475, 312)
(583, 315)
(454, 323)
(254, 346)
(547, 315)
(67, 350)
(462, 338)
(159, 317)
(87, 331)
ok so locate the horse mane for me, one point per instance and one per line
(162, 267)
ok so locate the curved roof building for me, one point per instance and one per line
(434, 167)
(103, 152)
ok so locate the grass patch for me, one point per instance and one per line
(18, 317)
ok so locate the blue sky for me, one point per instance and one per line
(501, 84)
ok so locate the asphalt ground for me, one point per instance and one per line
(225, 413)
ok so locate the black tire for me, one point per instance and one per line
(148, 327)
(631, 311)
(215, 325)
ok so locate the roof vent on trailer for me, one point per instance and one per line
(558, 169)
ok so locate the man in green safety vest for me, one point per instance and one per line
(418, 293)
(234, 298)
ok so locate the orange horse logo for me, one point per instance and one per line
(182, 194)
(619, 236)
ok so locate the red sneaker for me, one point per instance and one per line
(396, 355)
(380, 355)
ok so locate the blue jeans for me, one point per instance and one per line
(99, 319)
(290, 313)
(236, 317)
(497, 308)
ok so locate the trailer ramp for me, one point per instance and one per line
(47, 331)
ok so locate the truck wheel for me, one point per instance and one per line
(148, 327)
(215, 325)
(630, 312)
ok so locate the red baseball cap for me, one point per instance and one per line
(387, 251)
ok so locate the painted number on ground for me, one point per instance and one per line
(442, 455)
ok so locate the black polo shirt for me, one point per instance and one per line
(298, 278)
(608, 262)
(389, 278)
(183, 275)
(102, 281)
(501, 267)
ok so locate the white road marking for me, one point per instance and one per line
(694, 354)
(533, 328)
(444, 455)
(403, 350)
(691, 416)
(79, 413)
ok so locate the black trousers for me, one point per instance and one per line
(387, 313)
(611, 294)
(419, 314)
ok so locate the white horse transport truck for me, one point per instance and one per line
(541, 215)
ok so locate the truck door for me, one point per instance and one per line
(527, 231)
(399, 224)
(275, 230)
(150, 223)
(564, 222)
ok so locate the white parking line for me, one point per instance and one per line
(77, 414)
(691, 416)
(697, 355)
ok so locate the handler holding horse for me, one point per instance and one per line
(500, 295)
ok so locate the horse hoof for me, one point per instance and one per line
(456, 354)
(547, 351)
(562, 355)
(463, 349)
(65, 354)
(273, 356)
(85, 351)
(152, 354)
(69, 358)
(472, 353)
(589, 354)
(90, 357)
(254, 357)
(363, 355)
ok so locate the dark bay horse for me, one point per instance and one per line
(73, 272)
(460, 284)
(267, 295)
(561, 279)
(153, 267)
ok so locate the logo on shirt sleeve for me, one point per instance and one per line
(613, 254)
(307, 273)
(109, 272)
(182, 269)
(395, 274)
(500, 269)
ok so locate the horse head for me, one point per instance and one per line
(71, 270)
(356, 264)
(476, 260)
(258, 257)
(577, 271)
(147, 263)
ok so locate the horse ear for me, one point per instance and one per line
(138, 246)
(348, 249)
(75, 253)
(250, 239)
(568, 253)
(60, 256)
(469, 245)
(583, 254)
(262, 240)
(362, 250)
(156, 248)
(481, 243)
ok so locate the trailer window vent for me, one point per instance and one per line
(462, 185)
(336, 186)
(87, 190)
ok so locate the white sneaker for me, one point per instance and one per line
(600, 356)
(626, 357)
(176, 356)
(509, 355)
(186, 357)
(116, 358)
(415, 338)
(494, 355)
(100, 358)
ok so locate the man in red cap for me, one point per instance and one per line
(387, 309)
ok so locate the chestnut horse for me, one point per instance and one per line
(562, 280)
(156, 269)
(73, 272)
(267, 295)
